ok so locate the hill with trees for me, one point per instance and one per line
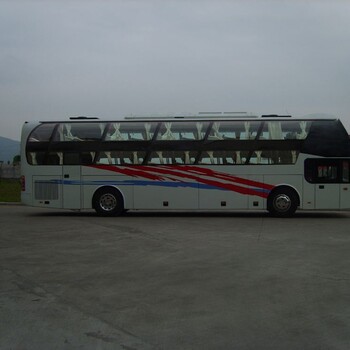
(8, 149)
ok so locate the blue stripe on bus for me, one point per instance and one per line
(173, 184)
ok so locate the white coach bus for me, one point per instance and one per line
(214, 161)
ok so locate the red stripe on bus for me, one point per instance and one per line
(190, 173)
(227, 186)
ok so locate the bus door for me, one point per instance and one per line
(345, 185)
(345, 196)
(327, 189)
(325, 174)
(327, 196)
(71, 186)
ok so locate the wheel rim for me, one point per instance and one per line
(282, 203)
(108, 202)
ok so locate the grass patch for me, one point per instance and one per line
(10, 190)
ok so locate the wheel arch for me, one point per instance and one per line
(104, 187)
(280, 187)
(283, 201)
(108, 200)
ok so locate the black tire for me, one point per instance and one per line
(108, 201)
(282, 202)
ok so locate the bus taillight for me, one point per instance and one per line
(23, 183)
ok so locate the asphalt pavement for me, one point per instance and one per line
(200, 280)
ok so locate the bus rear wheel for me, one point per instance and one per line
(108, 201)
(282, 202)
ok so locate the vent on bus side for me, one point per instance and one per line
(45, 190)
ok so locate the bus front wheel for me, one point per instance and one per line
(108, 201)
(282, 202)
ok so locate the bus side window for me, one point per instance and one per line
(216, 158)
(65, 132)
(171, 131)
(87, 158)
(87, 131)
(166, 132)
(71, 158)
(53, 159)
(327, 172)
(121, 157)
(32, 158)
(42, 133)
(36, 158)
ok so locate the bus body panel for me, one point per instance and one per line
(222, 199)
(47, 191)
(293, 181)
(71, 187)
(237, 197)
(256, 202)
(92, 179)
(90, 184)
(344, 196)
(308, 197)
(160, 196)
(231, 187)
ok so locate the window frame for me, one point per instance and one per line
(313, 166)
(252, 147)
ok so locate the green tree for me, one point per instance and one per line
(16, 159)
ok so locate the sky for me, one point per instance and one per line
(115, 58)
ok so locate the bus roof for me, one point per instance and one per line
(220, 116)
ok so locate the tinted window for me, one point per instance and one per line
(42, 133)
(327, 138)
(170, 131)
(327, 170)
(79, 132)
(130, 131)
(223, 130)
(285, 130)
